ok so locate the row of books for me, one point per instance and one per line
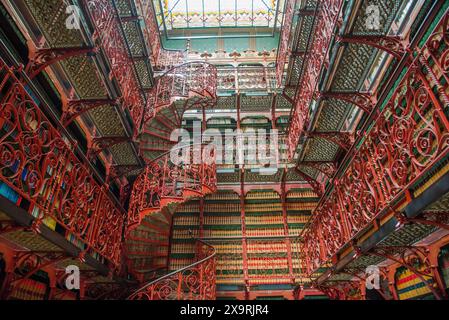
(297, 218)
(268, 264)
(182, 247)
(263, 195)
(181, 220)
(185, 233)
(223, 195)
(28, 289)
(264, 220)
(253, 246)
(410, 286)
(263, 207)
(292, 195)
(224, 220)
(222, 233)
(10, 194)
(268, 232)
(300, 206)
(145, 249)
(147, 234)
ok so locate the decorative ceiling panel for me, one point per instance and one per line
(131, 30)
(229, 177)
(107, 121)
(319, 149)
(81, 71)
(51, 16)
(123, 154)
(124, 7)
(256, 103)
(256, 177)
(388, 10)
(226, 102)
(353, 65)
(408, 235)
(332, 115)
(292, 175)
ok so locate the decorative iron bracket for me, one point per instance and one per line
(75, 108)
(364, 101)
(327, 168)
(343, 139)
(394, 45)
(41, 58)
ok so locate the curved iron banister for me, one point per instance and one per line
(164, 182)
(192, 81)
(193, 282)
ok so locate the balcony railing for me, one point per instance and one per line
(313, 63)
(194, 282)
(161, 59)
(284, 51)
(247, 79)
(407, 141)
(109, 34)
(39, 164)
(192, 81)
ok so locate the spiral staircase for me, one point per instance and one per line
(164, 184)
(194, 282)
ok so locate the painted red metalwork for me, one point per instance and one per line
(109, 35)
(314, 60)
(196, 82)
(285, 45)
(408, 138)
(364, 101)
(317, 186)
(342, 139)
(163, 183)
(41, 58)
(394, 45)
(417, 260)
(71, 109)
(39, 164)
(268, 261)
(194, 282)
(96, 144)
(327, 168)
(161, 59)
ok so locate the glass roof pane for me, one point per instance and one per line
(181, 14)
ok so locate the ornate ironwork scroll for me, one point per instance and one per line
(409, 137)
(194, 282)
(163, 183)
(38, 163)
(323, 32)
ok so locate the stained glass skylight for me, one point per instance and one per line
(182, 14)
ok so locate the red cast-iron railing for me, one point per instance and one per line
(313, 61)
(109, 34)
(161, 59)
(284, 50)
(165, 181)
(408, 139)
(195, 82)
(194, 282)
(38, 163)
(247, 79)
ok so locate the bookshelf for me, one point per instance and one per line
(409, 286)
